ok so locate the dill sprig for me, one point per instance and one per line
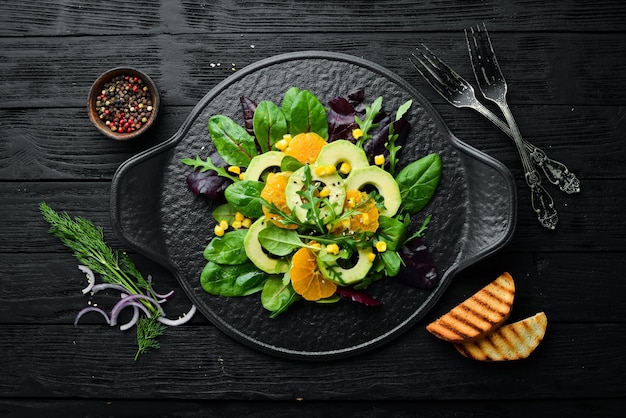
(87, 243)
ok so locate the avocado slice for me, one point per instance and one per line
(255, 252)
(262, 162)
(341, 151)
(383, 181)
(349, 276)
(296, 182)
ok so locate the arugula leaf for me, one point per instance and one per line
(367, 123)
(206, 165)
(234, 144)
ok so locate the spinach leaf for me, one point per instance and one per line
(234, 144)
(225, 212)
(392, 231)
(308, 114)
(276, 296)
(392, 262)
(289, 163)
(228, 249)
(279, 241)
(245, 197)
(288, 99)
(418, 182)
(238, 280)
(269, 124)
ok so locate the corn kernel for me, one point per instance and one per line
(287, 138)
(224, 224)
(365, 218)
(236, 225)
(371, 256)
(332, 249)
(316, 245)
(330, 169)
(239, 216)
(242, 176)
(320, 170)
(325, 192)
(345, 168)
(281, 145)
(357, 133)
(219, 231)
(246, 223)
(379, 159)
(381, 246)
(234, 169)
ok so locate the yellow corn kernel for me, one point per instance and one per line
(281, 145)
(224, 224)
(219, 231)
(357, 133)
(239, 216)
(379, 159)
(236, 225)
(365, 218)
(345, 223)
(287, 137)
(325, 192)
(330, 169)
(316, 245)
(371, 256)
(381, 246)
(332, 249)
(320, 170)
(242, 176)
(234, 169)
(246, 223)
(345, 168)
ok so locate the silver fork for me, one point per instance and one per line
(494, 87)
(460, 93)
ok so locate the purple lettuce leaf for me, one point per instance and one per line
(357, 296)
(419, 268)
(208, 183)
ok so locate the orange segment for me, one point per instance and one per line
(305, 147)
(365, 218)
(306, 278)
(274, 192)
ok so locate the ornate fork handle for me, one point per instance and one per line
(541, 201)
(556, 173)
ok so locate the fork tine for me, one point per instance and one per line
(442, 78)
(483, 56)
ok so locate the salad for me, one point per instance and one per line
(313, 204)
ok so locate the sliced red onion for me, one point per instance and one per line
(182, 320)
(133, 320)
(104, 286)
(91, 278)
(91, 309)
(128, 301)
(161, 296)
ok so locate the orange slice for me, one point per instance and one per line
(305, 147)
(365, 218)
(306, 278)
(274, 192)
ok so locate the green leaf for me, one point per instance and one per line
(228, 249)
(403, 109)
(367, 123)
(276, 296)
(392, 262)
(279, 241)
(225, 212)
(308, 114)
(234, 144)
(392, 231)
(245, 197)
(289, 163)
(269, 124)
(288, 99)
(418, 182)
(238, 280)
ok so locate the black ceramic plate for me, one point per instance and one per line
(154, 212)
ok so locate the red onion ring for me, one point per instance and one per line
(132, 321)
(91, 278)
(182, 320)
(127, 301)
(91, 309)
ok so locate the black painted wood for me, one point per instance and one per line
(566, 67)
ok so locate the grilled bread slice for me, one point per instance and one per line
(510, 342)
(478, 315)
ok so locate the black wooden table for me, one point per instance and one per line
(566, 67)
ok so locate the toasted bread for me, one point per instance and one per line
(478, 315)
(510, 342)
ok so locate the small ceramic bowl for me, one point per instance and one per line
(123, 103)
